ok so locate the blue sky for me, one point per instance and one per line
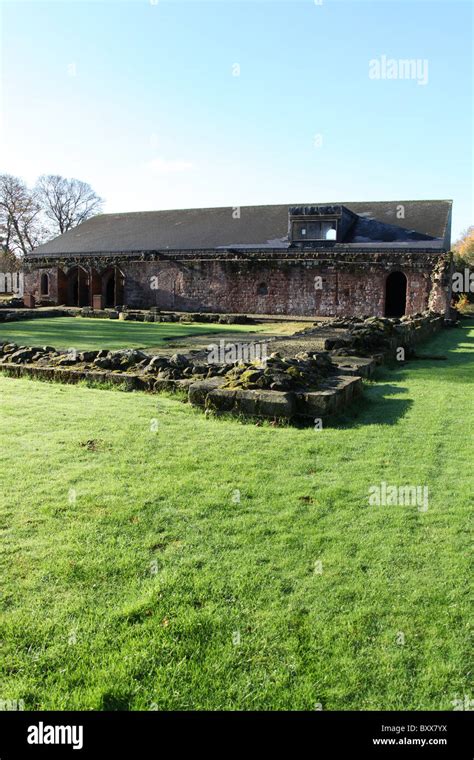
(141, 100)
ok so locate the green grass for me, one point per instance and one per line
(85, 333)
(131, 597)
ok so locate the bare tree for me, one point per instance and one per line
(66, 202)
(20, 217)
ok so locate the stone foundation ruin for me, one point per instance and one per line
(300, 385)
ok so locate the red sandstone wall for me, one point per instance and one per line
(232, 286)
(32, 285)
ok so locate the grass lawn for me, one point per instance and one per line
(134, 577)
(87, 333)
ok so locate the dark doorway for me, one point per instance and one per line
(96, 283)
(110, 291)
(77, 287)
(44, 288)
(395, 295)
(112, 287)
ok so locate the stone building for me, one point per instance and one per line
(381, 258)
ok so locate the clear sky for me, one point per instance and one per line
(175, 104)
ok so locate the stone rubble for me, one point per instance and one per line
(307, 384)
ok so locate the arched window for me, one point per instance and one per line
(44, 285)
(262, 289)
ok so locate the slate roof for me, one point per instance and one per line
(426, 224)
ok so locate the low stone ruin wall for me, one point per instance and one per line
(333, 397)
(156, 315)
(382, 335)
(307, 385)
(300, 387)
(13, 313)
(19, 315)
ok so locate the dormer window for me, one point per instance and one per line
(315, 230)
(319, 226)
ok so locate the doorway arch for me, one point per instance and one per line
(110, 290)
(77, 287)
(395, 294)
(112, 287)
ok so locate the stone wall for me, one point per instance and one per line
(56, 279)
(19, 315)
(274, 287)
(319, 284)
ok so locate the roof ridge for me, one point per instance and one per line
(276, 205)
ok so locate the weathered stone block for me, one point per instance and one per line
(97, 377)
(183, 384)
(88, 356)
(316, 403)
(354, 365)
(199, 389)
(349, 387)
(144, 383)
(63, 375)
(44, 373)
(164, 385)
(246, 402)
(275, 403)
(220, 399)
(120, 378)
(18, 357)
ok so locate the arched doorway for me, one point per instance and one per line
(110, 290)
(112, 287)
(395, 294)
(77, 287)
(96, 284)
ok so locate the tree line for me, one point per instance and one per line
(31, 216)
(463, 249)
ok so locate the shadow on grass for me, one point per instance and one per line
(115, 702)
(456, 345)
(372, 409)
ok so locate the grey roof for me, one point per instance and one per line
(258, 226)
